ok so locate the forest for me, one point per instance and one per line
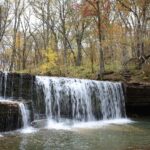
(95, 39)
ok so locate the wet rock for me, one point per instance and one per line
(137, 99)
(39, 123)
(10, 117)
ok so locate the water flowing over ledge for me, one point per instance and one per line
(24, 114)
(83, 100)
(15, 114)
(79, 100)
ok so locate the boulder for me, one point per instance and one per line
(10, 117)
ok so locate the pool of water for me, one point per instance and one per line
(129, 136)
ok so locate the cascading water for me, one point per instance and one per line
(5, 83)
(25, 114)
(83, 100)
(64, 100)
(25, 119)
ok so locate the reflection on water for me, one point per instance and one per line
(134, 136)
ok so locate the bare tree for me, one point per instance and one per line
(18, 9)
(137, 20)
(4, 16)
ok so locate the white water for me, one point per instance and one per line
(66, 125)
(74, 98)
(25, 119)
(24, 114)
(5, 83)
(79, 95)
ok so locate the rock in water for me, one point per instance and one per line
(10, 117)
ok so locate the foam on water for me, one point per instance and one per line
(66, 125)
(52, 124)
(28, 130)
(103, 123)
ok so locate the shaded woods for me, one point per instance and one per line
(87, 38)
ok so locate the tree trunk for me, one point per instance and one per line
(79, 55)
(101, 57)
(13, 52)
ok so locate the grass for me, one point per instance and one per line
(113, 72)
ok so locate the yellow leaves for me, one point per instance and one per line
(19, 41)
(44, 68)
(51, 56)
(50, 60)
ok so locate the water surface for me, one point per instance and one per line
(132, 136)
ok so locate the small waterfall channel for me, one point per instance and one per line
(25, 114)
(15, 110)
(5, 84)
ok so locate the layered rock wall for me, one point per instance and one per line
(10, 118)
(137, 99)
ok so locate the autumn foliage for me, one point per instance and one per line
(73, 37)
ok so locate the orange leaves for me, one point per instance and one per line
(121, 8)
(115, 29)
(94, 7)
(88, 8)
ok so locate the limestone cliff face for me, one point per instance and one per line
(137, 99)
(16, 85)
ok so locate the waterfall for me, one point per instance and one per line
(5, 83)
(25, 114)
(1, 82)
(83, 100)
(25, 119)
(63, 100)
(20, 86)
